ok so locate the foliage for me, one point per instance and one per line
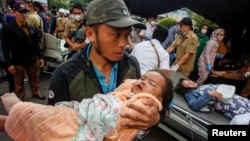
(168, 22)
(67, 4)
(200, 20)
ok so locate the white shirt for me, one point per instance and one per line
(147, 58)
(149, 30)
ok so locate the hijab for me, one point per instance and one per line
(215, 33)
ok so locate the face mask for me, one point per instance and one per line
(183, 33)
(9, 8)
(78, 18)
(203, 31)
(152, 22)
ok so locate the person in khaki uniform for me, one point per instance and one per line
(61, 22)
(71, 27)
(185, 44)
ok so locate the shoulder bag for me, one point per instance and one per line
(158, 57)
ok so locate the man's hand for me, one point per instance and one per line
(2, 122)
(12, 69)
(144, 118)
(174, 68)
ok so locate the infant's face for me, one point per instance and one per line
(151, 82)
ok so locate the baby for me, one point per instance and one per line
(94, 119)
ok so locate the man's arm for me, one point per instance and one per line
(170, 49)
(2, 123)
(185, 58)
(66, 36)
(77, 46)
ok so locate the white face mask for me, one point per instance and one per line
(184, 33)
(9, 8)
(78, 18)
(203, 31)
(152, 23)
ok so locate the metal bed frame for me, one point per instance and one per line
(54, 52)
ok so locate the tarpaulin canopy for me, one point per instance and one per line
(218, 11)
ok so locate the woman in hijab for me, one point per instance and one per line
(207, 57)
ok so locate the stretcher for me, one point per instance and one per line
(186, 124)
(54, 51)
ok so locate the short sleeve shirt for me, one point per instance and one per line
(61, 23)
(186, 44)
(147, 58)
(70, 29)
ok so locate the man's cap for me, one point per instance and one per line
(19, 6)
(186, 21)
(61, 10)
(111, 12)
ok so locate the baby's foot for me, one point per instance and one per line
(9, 100)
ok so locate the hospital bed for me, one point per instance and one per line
(186, 124)
(54, 52)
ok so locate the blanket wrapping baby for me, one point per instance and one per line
(92, 119)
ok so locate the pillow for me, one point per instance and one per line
(227, 92)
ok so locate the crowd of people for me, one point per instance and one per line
(99, 69)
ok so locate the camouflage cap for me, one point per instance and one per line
(111, 12)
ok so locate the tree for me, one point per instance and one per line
(199, 21)
(168, 22)
(67, 4)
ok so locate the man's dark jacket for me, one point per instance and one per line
(18, 48)
(75, 79)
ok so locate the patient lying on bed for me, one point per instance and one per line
(91, 119)
(204, 98)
